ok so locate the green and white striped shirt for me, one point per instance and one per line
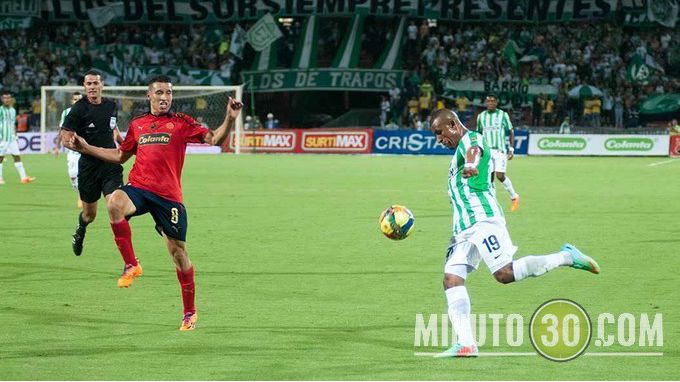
(495, 126)
(63, 116)
(61, 123)
(8, 117)
(471, 198)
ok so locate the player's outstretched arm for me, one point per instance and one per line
(218, 136)
(472, 157)
(57, 144)
(117, 136)
(75, 142)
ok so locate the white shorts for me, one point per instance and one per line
(9, 147)
(499, 161)
(72, 158)
(488, 240)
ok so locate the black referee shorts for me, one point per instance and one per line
(95, 180)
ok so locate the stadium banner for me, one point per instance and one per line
(117, 72)
(407, 142)
(21, 8)
(650, 13)
(513, 91)
(338, 142)
(371, 80)
(599, 145)
(345, 141)
(424, 142)
(29, 143)
(521, 142)
(264, 141)
(211, 11)
(674, 147)
(10, 23)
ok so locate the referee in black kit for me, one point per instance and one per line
(94, 119)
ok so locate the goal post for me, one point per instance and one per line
(206, 104)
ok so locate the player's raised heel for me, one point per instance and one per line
(459, 351)
(580, 260)
(189, 322)
(78, 239)
(130, 273)
(2, 181)
(27, 179)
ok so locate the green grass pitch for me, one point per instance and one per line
(295, 281)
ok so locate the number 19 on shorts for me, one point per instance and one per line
(560, 330)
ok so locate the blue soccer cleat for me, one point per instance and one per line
(580, 260)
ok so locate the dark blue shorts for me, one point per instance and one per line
(170, 217)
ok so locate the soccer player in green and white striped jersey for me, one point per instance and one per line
(495, 125)
(8, 138)
(479, 231)
(72, 157)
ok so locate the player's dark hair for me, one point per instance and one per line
(76, 94)
(92, 72)
(6, 92)
(161, 78)
(492, 95)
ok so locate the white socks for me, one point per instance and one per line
(20, 169)
(508, 187)
(535, 266)
(1, 170)
(459, 313)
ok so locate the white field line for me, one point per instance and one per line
(663, 162)
(529, 354)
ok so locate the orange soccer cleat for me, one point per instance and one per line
(130, 273)
(189, 321)
(515, 204)
(27, 179)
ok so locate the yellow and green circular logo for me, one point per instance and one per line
(560, 330)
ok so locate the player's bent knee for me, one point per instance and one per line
(119, 204)
(451, 281)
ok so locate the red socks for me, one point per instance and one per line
(186, 282)
(123, 237)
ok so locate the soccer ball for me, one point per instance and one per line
(396, 222)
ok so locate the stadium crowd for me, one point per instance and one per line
(563, 55)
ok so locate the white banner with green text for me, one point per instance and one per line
(598, 145)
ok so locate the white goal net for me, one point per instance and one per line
(206, 104)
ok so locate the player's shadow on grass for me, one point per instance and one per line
(660, 241)
(360, 334)
(56, 272)
(39, 205)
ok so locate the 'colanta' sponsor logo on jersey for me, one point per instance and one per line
(628, 144)
(562, 143)
(154, 139)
